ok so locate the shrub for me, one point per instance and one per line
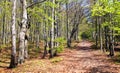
(86, 35)
(61, 43)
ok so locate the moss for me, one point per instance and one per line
(56, 59)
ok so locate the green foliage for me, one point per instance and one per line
(107, 8)
(6, 8)
(41, 12)
(84, 29)
(97, 10)
(60, 40)
(86, 35)
(37, 13)
(61, 43)
(59, 49)
(50, 4)
(105, 24)
(117, 28)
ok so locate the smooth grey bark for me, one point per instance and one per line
(67, 27)
(101, 40)
(111, 41)
(45, 40)
(56, 30)
(96, 31)
(100, 34)
(3, 32)
(52, 31)
(13, 61)
(26, 49)
(106, 30)
(23, 30)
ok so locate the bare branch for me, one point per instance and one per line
(35, 3)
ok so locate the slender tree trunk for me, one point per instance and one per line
(37, 37)
(67, 27)
(100, 34)
(13, 62)
(52, 32)
(3, 32)
(96, 29)
(45, 42)
(106, 38)
(111, 46)
(55, 32)
(99, 29)
(26, 49)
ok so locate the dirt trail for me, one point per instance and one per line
(79, 60)
(84, 60)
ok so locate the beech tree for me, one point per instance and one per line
(106, 22)
(23, 34)
(13, 62)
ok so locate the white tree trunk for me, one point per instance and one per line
(13, 50)
(22, 44)
(26, 49)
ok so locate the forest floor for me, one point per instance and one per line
(80, 59)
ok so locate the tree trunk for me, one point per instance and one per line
(106, 38)
(45, 41)
(37, 37)
(96, 29)
(22, 33)
(26, 49)
(67, 27)
(111, 46)
(100, 34)
(13, 62)
(52, 32)
(3, 20)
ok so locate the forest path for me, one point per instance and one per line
(81, 59)
(85, 60)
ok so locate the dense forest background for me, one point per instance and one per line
(46, 28)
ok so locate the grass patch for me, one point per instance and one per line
(56, 59)
(29, 66)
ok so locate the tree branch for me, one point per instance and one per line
(35, 3)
